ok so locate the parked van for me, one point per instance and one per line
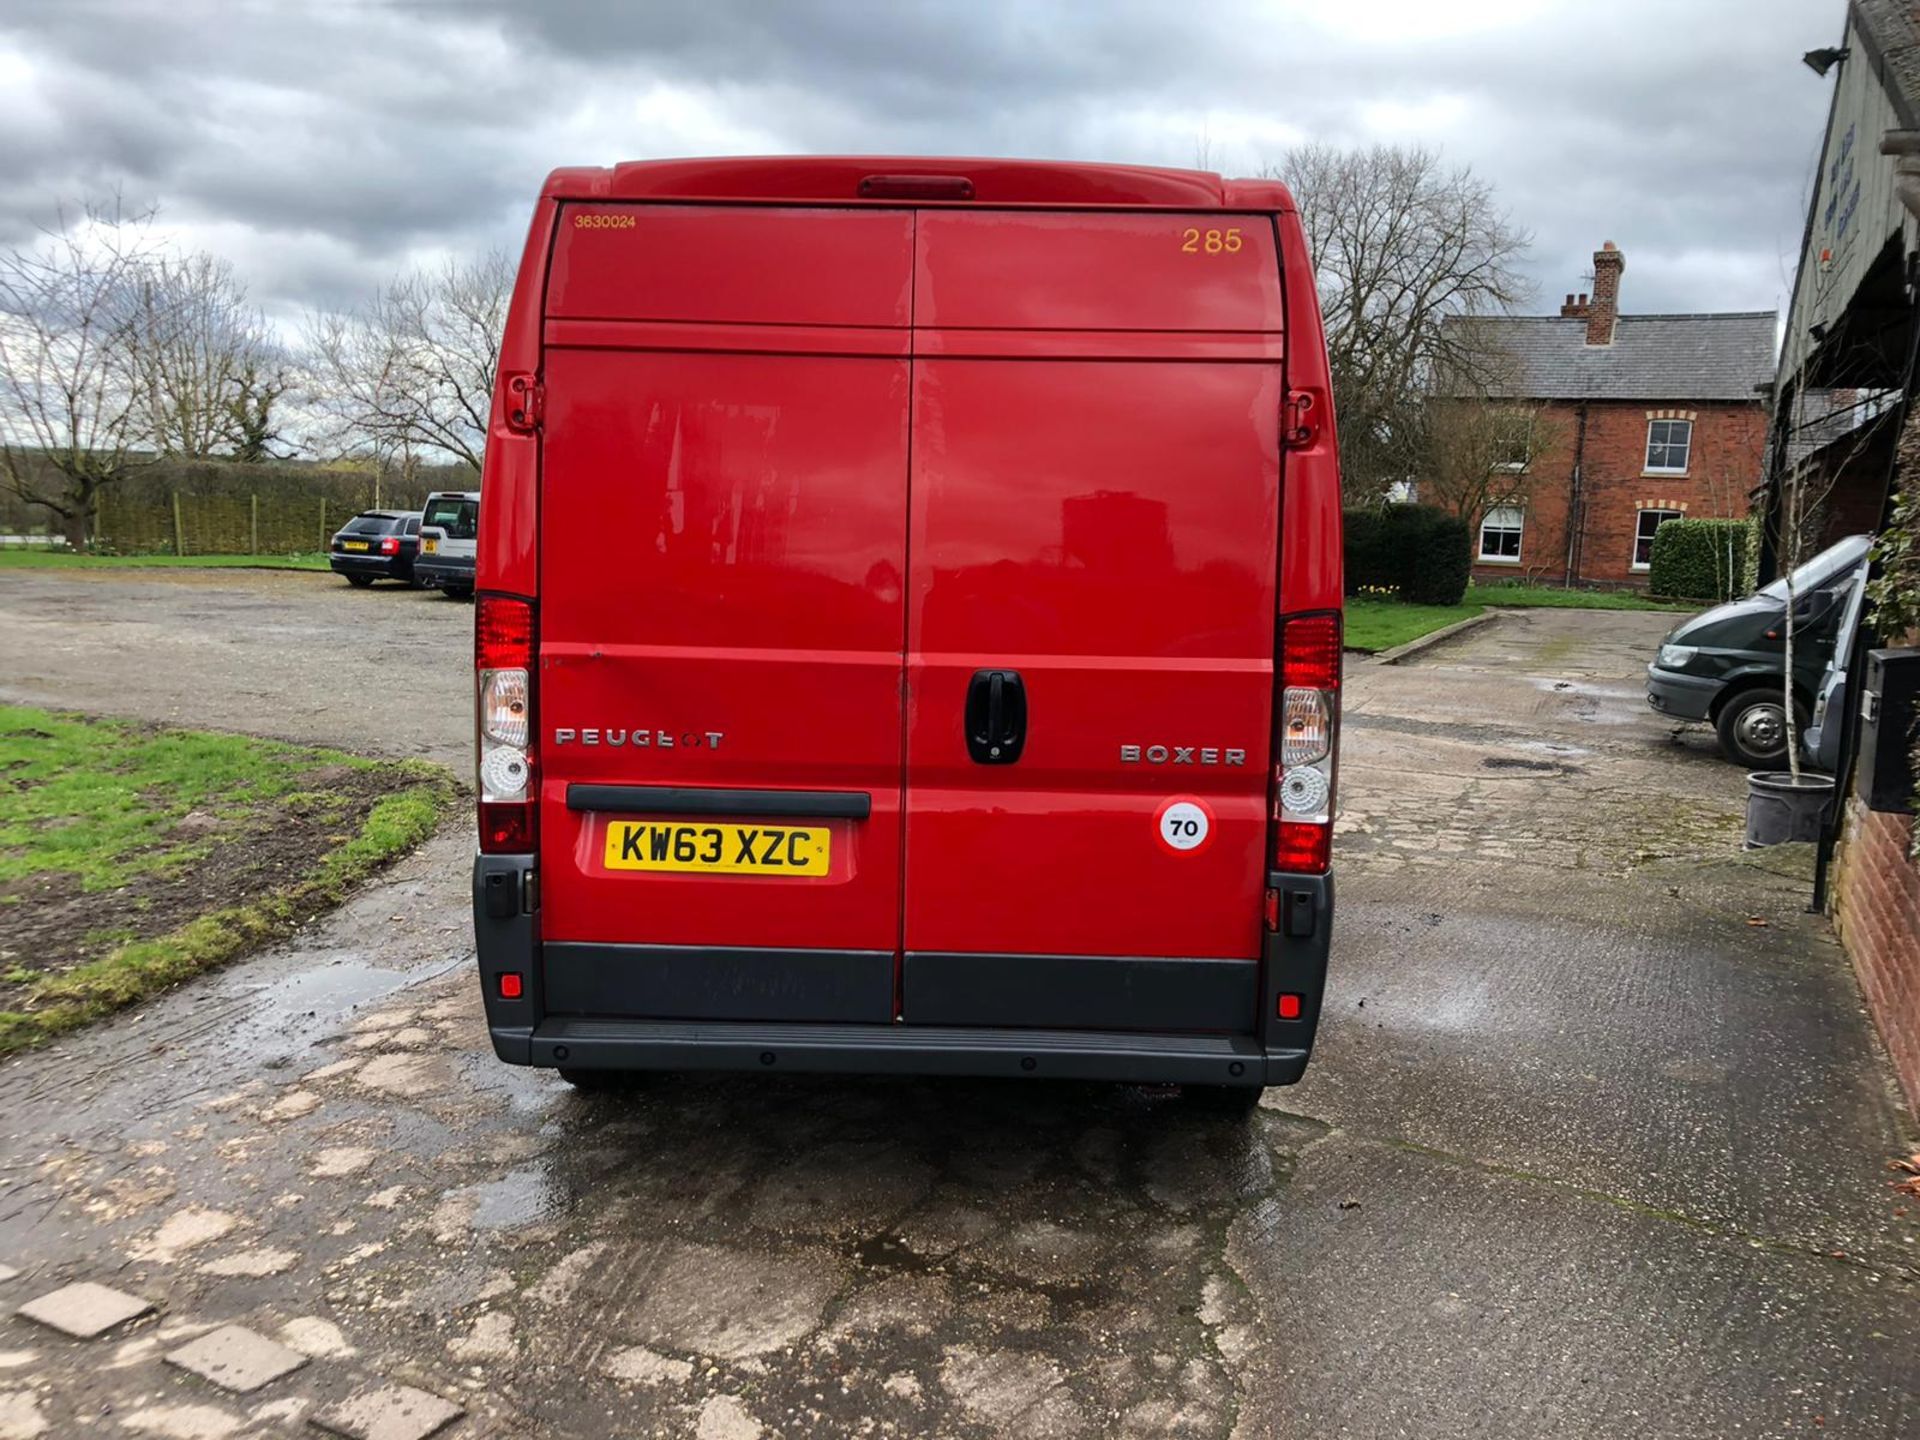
(909, 626)
(1728, 665)
(449, 527)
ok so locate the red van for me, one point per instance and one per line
(909, 625)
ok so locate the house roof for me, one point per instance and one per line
(1652, 357)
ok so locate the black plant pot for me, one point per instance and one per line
(1782, 809)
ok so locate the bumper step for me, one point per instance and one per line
(908, 1050)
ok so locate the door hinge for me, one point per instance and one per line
(1297, 429)
(526, 402)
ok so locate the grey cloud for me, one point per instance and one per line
(345, 139)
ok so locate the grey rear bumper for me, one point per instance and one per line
(638, 1007)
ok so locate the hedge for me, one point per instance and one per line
(1422, 553)
(1701, 559)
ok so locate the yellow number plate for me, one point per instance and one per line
(718, 849)
(353, 544)
(432, 547)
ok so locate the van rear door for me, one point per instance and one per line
(722, 611)
(1094, 528)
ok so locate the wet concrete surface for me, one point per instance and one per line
(1583, 1151)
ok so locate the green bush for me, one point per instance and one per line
(1369, 563)
(1436, 552)
(1419, 551)
(1700, 559)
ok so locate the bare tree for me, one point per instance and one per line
(1400, 243)
(205, 367)
(1477, 452)
(71, 418)
(414, 369)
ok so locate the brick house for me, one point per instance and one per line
(1637, 420)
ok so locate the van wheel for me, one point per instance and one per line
(1223, 1099)
(1753, 729)
(359, 582)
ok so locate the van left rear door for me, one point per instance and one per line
(722, 611)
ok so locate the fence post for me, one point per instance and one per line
(323, 524)
(253, 524)
(99, 516)
(179, 535)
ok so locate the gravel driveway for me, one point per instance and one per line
(1595, 1143)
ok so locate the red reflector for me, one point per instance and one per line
(1273, 909)
(510, 987)
(1310, 652)
(916, 187)
(503, 634)
(506, 829)
(1288, 1007)
(1303, 847)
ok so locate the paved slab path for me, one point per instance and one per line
(1595, 1143)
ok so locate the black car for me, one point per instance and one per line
(1728, 665)
(376, 545)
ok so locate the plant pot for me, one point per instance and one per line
(1782, 809)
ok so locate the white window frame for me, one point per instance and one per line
(1518, 528)
(1685, 465)
(1637, 565)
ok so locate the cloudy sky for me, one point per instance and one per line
(323, 146)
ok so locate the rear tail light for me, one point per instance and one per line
(1306, 726)
(508, 756)
(390, 546)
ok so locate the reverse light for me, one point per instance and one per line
(507, 759)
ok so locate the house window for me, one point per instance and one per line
(1669, 445)
(1500, 534)
(1650, 521)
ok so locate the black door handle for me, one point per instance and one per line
(996, 719)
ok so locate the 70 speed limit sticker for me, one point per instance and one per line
(1184, 824)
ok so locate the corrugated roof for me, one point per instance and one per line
(1652, 357)
(1891, 29)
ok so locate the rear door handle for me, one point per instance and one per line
(996, 718)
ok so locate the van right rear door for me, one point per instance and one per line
(1094, 505)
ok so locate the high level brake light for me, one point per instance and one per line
(508, 755)
(1306, 725)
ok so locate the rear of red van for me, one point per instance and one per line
(909, 625)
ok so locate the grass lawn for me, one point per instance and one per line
(1573, 599)
(21, 558)
(133, 856)
(1382, 624)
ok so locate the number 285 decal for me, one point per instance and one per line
(1209, 242)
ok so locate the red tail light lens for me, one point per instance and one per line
(1306, 726)
(390, 546)
(507, 746)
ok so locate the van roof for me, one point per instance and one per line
(837, 179)
(453, 494)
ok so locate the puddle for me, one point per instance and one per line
(518, 1198)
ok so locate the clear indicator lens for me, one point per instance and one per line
(503, 773)
(503, 706)
(1306, 726)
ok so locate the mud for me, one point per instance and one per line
(210, 859)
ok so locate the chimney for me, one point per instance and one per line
(1608, 266)
(1574, 309)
